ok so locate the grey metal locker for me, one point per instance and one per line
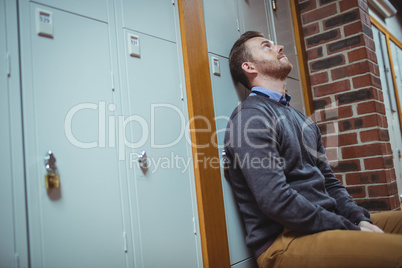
(162, 195)
(66, 82)
(226, 98)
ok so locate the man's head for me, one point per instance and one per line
(253, 57)
(239, 54)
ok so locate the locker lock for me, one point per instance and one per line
(273, 5)
(52, 177)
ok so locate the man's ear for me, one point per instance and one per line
(248, 67)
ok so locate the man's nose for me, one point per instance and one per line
(280, 48)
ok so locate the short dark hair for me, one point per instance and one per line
(239, 54)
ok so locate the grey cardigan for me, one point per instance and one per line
(280, 174)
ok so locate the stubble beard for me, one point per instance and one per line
(276, 70)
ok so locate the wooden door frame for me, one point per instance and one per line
(389, 37)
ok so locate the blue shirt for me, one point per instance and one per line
(273, 95)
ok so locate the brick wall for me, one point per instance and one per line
(348, 100)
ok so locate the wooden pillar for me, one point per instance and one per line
(200, 104)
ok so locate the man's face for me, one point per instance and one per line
(269, 58)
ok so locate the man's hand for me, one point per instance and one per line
(368, 227)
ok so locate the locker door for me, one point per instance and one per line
(254, 17)
(85, 8)
(66, 96)
(13, 230)
(226, 98)
(221, 25)
(6, 187)
(162, 198)
(153, 17)
(284, 32)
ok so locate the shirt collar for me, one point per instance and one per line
(278, 97)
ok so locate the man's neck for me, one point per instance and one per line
(275, 85)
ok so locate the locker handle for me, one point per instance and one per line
(399, 153)
(143, 160)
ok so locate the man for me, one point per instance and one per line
(296, 212)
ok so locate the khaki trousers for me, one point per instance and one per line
(339, 248)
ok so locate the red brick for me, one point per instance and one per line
(305, 6)
(345, 5)
(378, 190)
(371, 107)
(366, 80)
(332, 154)
(346, 166)
(380, 95)
(374, 135)
(350, 70)
(346, 43)
(331, 141)
(314, 53)
(339, 177)
(357, 96)
(381, 162)
(386, 148)
(347, 139)
(363, 5)
(367, 121)
(374, 69)
(323, 37)
(384, 135)
(368, 177)
(319, 78)
(327, 128)
(356, 69)
(311, 29)
(382, 119)
(341, 19)
(383, 189)
(364, 16)
(319, 13)
(357, 54)
(357, 191)
(336, 113)
(322, 103)
(370, 135)
(369, 42)
(379, 204)
(362, 150)
(328, 62)
(362, 53)
(331, 88)
(353, 28)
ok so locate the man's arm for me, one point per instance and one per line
(346, 206)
